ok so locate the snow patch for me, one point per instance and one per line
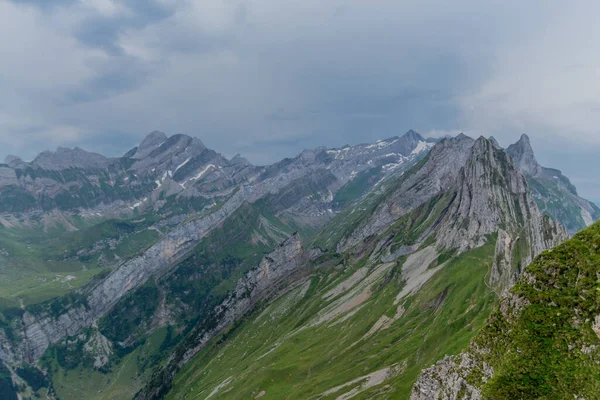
(199, 174)
(139, 203)
(380, 144)
(421, 146)
(183, 163)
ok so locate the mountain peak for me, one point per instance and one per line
(495, 142)
(414, 135)
(523, 156)
(524, 138)
(153, 139)
(461, 136)
(238, 159)
(65, 157)
(150, 142)
(482, 143)
(406, 143)
(10, 159)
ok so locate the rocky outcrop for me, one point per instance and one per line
(279, 266)
(99, 348)
(447, 381)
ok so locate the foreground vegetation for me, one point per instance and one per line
(544, 340)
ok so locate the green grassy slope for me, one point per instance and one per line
(199, 282)
(122, 381)
(280, 352)
(38, 265)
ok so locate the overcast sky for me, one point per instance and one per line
(267, 78)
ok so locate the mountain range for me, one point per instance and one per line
(340, 273)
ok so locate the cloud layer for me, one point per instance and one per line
(267, 78)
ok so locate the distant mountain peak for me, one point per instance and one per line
(412, 134)
(495, 142)
(524, 138)
(238, 159)
(150, 142)
(523, 156)
(11, 159)
(153, 138)
(65, 157)
(481, 143)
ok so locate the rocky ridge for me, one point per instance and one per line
(434, 175)
(76, 181)
(486, 194)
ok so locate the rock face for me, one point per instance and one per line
(444, 381)
(553, 191)
(274, 274)
(488, 195)
(540, 342)
(492, 196)
(39, 331)
(436, 174)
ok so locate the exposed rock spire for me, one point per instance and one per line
(524, 157)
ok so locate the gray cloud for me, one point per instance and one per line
(103, 30)
(267, 78)
(45, 5)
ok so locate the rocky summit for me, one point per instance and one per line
(374, 270)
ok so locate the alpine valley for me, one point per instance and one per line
(405, 268)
